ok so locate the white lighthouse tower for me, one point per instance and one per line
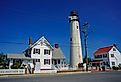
(75, 41)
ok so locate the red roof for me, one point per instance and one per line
(103, 50)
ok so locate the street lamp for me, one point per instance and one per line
(84, 30)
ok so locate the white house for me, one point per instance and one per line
(44, 54)
(109, 56)
(39, 57)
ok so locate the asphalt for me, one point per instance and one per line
(114, 76)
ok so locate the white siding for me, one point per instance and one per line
(47, 66)
(41, 56)
(75, 43)
(116, 58)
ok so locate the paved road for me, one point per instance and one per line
(90, 77)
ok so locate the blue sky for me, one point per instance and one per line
(20, 19)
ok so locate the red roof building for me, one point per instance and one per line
(103, 50)
(109, 56)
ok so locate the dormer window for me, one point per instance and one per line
(36, 51)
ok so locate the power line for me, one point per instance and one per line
(19, 43)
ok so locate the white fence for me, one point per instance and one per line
(12, 71)
(48, 71)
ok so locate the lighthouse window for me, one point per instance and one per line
(77, 27)
(70, 39)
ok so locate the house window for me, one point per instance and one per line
(98, 56)
(104, 55)
(46, 51)
(34, 61)
(95, 56)
(36, 51)
(46, 61)
(29, 51)
(114, 49)
(112, 55)
(113, 63)
(37, 60)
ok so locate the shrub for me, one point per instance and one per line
(16, 65)
(119, 66)
(80, 65)
(115, 68)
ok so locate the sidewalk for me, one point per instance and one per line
(43, 74)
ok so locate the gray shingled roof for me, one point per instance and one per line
(17, 56)
(57, 54)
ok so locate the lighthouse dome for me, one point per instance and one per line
(73, 13)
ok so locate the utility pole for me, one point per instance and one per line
(84, 30)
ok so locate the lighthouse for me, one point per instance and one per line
(75, 41)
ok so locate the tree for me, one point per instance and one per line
(17, 64)
(80, 65)
(89, 60)
(3, 61)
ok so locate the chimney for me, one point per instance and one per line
(56, 46)
(114, 45)
(30, 41)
